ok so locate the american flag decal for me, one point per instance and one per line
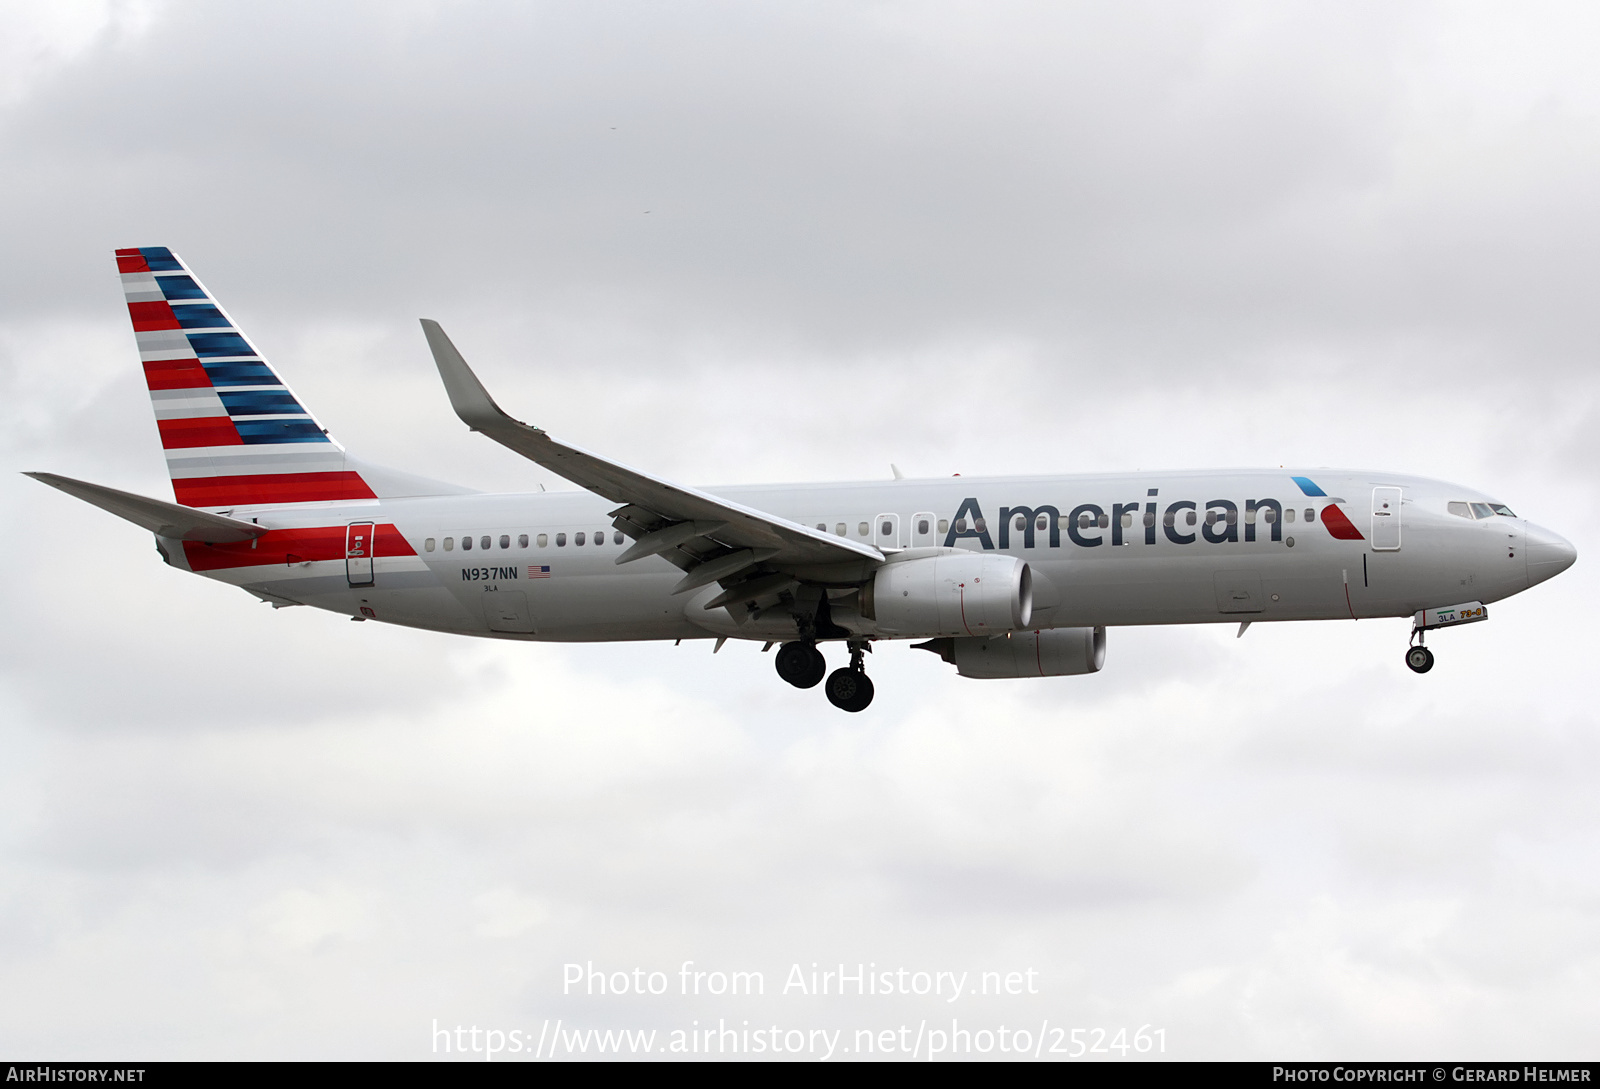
(539, 572)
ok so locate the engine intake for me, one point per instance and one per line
(1054, 652)
(959, 593)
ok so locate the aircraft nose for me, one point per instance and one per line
(1549, 554)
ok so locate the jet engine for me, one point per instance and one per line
(1054, 652)
(957, 593)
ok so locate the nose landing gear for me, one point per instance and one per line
(1419, 659)
(850, 689)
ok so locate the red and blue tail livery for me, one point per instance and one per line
(234, 433)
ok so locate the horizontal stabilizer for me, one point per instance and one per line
(159, 517)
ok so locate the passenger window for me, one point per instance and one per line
(1211, 517)
(1127, 520)
(1482, 510)
(885, 528)
(822, 527)
(1249, 517)
(1311, 514)
(522, 540)
(484, 541)
(922, 526)
(543, 540)
(600, 537)
(981, 525)
(466, 543)
(1288, 515)
(579, 538)
(1233, 517)
(1083, 520)
(961, 525)
(505, 540)
(1150, 518)
(561, 540)
(1022, 523)
(1170, 519)
(1105, 521)
(616, 538)
(944, 525)
(1191, 518)
(862, 529)
(427, 546)
(1269, 516)
(449, 544)
(839, 529)
(1042, 522)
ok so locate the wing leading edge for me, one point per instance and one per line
(711, 539)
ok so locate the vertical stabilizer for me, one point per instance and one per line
(234, 434)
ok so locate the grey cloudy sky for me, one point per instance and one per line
(736, 242)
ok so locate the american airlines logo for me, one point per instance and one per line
(1089, 525)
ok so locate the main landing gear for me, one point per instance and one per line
(1418, 658)
(802, 665)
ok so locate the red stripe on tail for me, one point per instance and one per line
(176, 374)
(149, 316)
(231, 491)
(198, 431)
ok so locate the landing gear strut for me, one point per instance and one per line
(850, 689)
(801, 664)
(1419, 658)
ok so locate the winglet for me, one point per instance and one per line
(467, 395)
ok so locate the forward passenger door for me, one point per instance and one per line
(1386, 519)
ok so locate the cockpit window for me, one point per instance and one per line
(1482, 510)
(1459, 509)
(1501, 509)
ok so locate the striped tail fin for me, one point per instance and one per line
(235, 435)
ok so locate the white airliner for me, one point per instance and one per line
(1001, 577)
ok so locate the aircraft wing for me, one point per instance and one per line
(701, 533)
(158, 516)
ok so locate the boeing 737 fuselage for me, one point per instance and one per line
(1002, 577)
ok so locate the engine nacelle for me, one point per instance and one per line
(1054, 652)
(956, 593)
